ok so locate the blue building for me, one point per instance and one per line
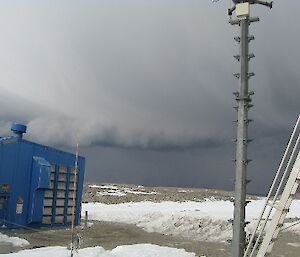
(37, 183)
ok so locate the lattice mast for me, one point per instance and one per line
(243, 97)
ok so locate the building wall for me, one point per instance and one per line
(40, 184)
(8, 164)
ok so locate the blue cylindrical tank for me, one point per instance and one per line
(18, 129)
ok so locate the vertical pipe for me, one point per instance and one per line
(243, 99)
(86, 219)
(74, 200)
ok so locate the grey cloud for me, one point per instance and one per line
(119, 77)
(64, 131)
(148, 75)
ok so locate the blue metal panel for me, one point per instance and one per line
(40, 180)
(36, 207)
(25, 168)
(42, 172)
(8, 163)
(3, 208)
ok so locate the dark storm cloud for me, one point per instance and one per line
(148, 78)
(116, 74)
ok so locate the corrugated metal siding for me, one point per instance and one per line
(44, 204)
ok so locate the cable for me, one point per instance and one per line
(296, 223)
(280, 169)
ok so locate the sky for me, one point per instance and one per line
(146, 86)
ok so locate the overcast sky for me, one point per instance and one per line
(146, 86)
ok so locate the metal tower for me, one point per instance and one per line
(243, 98)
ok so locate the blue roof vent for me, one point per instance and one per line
(18, 129)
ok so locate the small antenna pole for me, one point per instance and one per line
(74, 201)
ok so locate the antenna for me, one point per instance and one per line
(73, 245)
(241, 8)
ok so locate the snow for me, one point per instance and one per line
(15, 241)
(139, 250)
(206, 220)
(135, 192)
(104, 187)
(294, 244)
(182, 191)
(113, 190)
(188, 219)
(112, 193)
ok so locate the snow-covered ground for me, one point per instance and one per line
(112, 190)
(15, 241)
(206, 220)
(141, 250)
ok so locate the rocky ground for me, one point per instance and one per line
(121, 193)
